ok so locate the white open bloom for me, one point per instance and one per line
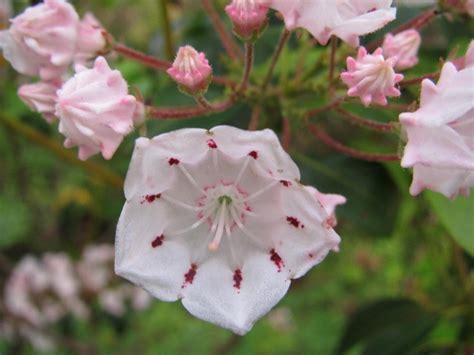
(346, 19)
(219, 220)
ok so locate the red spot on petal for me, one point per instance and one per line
(173, 161)
(311, 255)
(285, 183)
(277, 260)
(294, 222)
(237, 278)
(253, 154)
(150, 198)
(157, 241)
(189, 276)
(211, 144)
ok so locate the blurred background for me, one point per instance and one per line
(402, 283)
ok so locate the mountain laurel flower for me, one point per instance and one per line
(92, 39)
(42, 40)
(191, 70)
(440, 146)
(219, 220)
(346, 19)
(249, 17)
(95, 110)
(467, 60)
(371, 77)
(404, 47)
(41, 97)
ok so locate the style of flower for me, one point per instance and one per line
(41, 97)
(219, 220)
(95, 110)
(346, 19)
(249, 17)
(91, 40)
(191, 70)
(440, 146)
(371, 77)
(404, 47)
(42, 40)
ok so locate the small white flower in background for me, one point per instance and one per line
(95, 110)
(41, 97)
(43, 291)
(371, 77)
(440, 146)
(404, 47)
(346, 19)
(220, 220)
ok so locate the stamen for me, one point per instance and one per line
(242, 170)
(191, 179)
(214, 245)
(261, 191)
(181, 204)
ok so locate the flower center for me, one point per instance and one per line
(224, 207)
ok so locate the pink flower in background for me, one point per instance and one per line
(470, 7)
(346, 19)
(91, 40)
(404, 47)
(248, 16)
(329, 203)
(95, 110)
(371, 77)
(42, 40)
(95, 269)
(220, 220)
(191, 70)
(440, 146)
(41, 97)
(467, 60)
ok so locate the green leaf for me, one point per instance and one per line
(395, 325)
(15, 221)
(456, 216)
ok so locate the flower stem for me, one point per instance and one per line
(143, 58)
(249, 49)
(315, 111)
(285, 35)
(233, 51)
(104, 174)
(364, 122)
(169, 45)
(332, 65)
(338, 146)
(419, 79)
(169, 113)
(286, 133)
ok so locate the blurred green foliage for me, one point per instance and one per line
(401, 284)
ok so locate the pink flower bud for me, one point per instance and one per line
(95, 110)
(191, 70)
(91, 40)
(249, 17)
(404, 47)
(371, 77)
(41, 97)
(467, 60)
(42, 40)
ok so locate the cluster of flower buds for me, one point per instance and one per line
(41, 291)
(93, 106)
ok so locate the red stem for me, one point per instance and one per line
(364, 122)
(330, 106)
(168, 113)
(419, 79)
(141, 57)
(233, 51)
(286, 133)
(416, 23)
(336, 145)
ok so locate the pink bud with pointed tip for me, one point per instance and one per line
(191, 70)
(404, 47)
(42, 40)
(91, 40)
(249, 17)
(467, 60)
(95, 110)
(371, 77)
(41, 97)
